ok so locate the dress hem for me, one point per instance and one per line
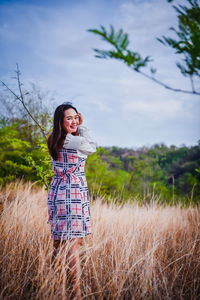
(69, 238)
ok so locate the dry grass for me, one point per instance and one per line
(133, 253)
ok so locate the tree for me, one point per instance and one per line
(32, 111)
(187, 45)
(31, 121)
(12, 155)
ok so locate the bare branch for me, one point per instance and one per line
(193, 92)
(192, 83)
(21, 99)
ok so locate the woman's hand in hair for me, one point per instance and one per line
(80, 118)
(80, 122)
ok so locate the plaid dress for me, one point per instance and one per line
(68, 197)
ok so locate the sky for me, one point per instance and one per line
(50, 42)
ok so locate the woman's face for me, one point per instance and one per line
(70, 121)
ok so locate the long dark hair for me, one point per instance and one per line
(56, 138)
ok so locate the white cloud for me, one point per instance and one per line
(155, 109)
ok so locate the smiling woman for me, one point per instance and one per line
(68, 198)
(71, 120)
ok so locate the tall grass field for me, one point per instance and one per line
(134, 252)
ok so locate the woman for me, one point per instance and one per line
(68, 198)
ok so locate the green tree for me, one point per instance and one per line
(30, 115)
(12, 155)
(103, 180)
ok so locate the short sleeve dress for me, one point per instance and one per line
(68, 196)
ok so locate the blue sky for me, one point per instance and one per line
(49, 40)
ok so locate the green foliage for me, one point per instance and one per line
(170, 173)
(188, 38)
(120, 42)
(101, 179)
(12, 155)
(19, 159)
(40, 160)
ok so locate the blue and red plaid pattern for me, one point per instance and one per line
(68, 197)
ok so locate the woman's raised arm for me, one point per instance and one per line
(83, 143)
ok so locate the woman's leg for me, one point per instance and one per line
(73, 262)
(74, 265)
(56, 248)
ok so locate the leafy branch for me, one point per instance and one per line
(188, 45)
(43, 167)
(120, 41)
(188, 42)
